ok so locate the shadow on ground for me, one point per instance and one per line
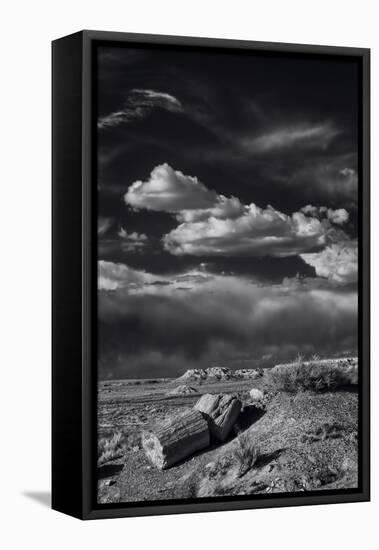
(41, 497)
(249, 415)
(266, 458)
(109, 470)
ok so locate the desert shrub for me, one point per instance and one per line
(312, 375)
(219, 477)
(216, 478)
(110, 448)
(245, 453)
(211, 482)
(192, 488)
(220, 468)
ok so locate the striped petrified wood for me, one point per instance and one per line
(176, 439)
(221, 412)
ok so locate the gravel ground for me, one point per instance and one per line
(305, 442)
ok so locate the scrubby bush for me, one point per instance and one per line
(314, 375)
(220, 477)
(245, 453)
(110, 449)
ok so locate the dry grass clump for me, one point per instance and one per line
(110, 449)
(220, 477)
(314, 375)
(215, 481)
(246, 454)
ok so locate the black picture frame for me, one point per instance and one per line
(74, 291)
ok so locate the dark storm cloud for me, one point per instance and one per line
(220, 320)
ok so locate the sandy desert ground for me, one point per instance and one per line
(288, 441)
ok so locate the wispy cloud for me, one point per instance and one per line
(323, 178)
(103, 224)
(139, 104)
(302, 135)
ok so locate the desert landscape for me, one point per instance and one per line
(227, 267)
(286, 429)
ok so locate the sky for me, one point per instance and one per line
(227, 209)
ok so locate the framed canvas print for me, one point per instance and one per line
(210, 275)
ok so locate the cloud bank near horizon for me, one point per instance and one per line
(162, 326)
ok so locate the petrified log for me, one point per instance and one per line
(176, 439)
(221, 412)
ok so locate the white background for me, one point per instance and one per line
(27, 27)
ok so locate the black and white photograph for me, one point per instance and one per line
(228, 212)
(190, 276)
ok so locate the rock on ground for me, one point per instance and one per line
(256, 395)
(183, 390)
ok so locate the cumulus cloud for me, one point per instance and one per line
(257, 232)
(132, 242)
(139, 104)
(337, 262)
(338, 217)
(302, 136)
(169, 190)
(160, 330)
(224, 208)
(134, 236)
(211, 224)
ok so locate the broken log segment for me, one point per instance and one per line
(221, 412)
(176, 439)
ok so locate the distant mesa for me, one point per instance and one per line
(250, 374)
(183, 390)
(214, 374)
